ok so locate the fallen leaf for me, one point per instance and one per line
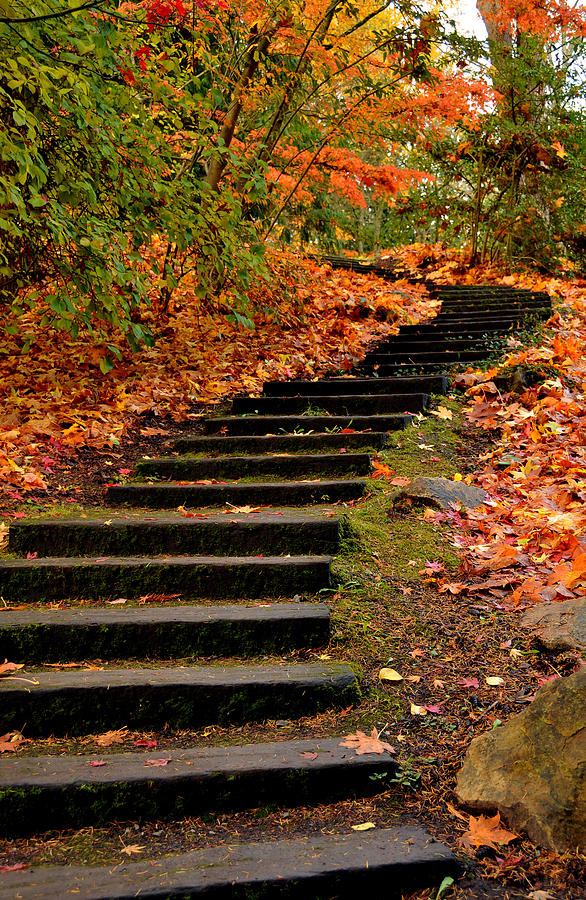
(486, 832)
(418, 710)
(364, 826)
(7, 667)
(308, 755)
(245, 510)
(366, 743)
(10, 742)
(469, 682)
(112, 737)
(98, 763)
(147, 743)
(129, 849)
(494, 680)
(158, 762)
(389, 675)
(15, 868)
(401, 481)
(442, 412)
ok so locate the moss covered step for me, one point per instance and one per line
(233, 467)
(88, 701)
(54, 578)
(65, 635)
(389, 863)
(275, 424)
(207, 535)
(444, 342)
(435, 384)
(364, 404)
(282, 443)
(461, 327)
(488, 303)
(66, 792)
(269, 493)
(447, 356)
(503, 312)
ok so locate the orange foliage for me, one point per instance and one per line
(54, 398)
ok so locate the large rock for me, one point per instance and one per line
(533, 769)
(559, 626)
(440, 492)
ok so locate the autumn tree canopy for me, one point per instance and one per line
(144, 143)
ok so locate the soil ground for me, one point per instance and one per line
(386, 611)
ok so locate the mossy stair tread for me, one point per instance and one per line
(164, 677)
(319, 866)
(271, 493)
(273, 615)
(234, 467)
(273, 424)
(55, 578)
(312, 755)
(356, 385)
(194, 533)
(164, 632)
(281, 443)
(81, 701)
(214, 562)
(338, 404)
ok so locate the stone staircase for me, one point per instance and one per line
(315, 438)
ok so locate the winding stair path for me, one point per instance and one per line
(222, 557)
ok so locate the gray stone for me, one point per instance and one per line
(559, 626)
(533, 769)
(440, 492)
(384, 862)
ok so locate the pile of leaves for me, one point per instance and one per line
(528, 542)
(55, 397)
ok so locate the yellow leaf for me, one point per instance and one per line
(418, 710)
(389, 675)
(364, 826)
(129, 849)
(494, 680)
(442, 412)
(457, 477)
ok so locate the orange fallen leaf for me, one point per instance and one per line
(366, 743)
(486, 832)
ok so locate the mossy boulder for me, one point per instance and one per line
(440, 492)
(533, 769)
(559, 625)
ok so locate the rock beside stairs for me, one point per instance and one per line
(440, 492)
(533, 769)
(559, 626)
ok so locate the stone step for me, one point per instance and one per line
(282, 443)
(363, 404)
(471, 309)
(389, 863)
(177, 632)
(335, 386)
(485, 299)
(474, 288)
(503, 312)
(422, 356)
(274, 424)
(56, 578)
(410, 345)
(193, 535)
(76, 702)
(462, 326)
(506, 300)
(269, 493)
(190, 468)
(54, 792)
